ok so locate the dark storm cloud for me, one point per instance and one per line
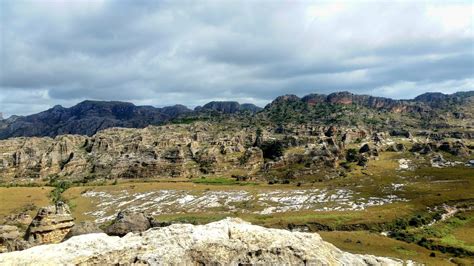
(166, 52)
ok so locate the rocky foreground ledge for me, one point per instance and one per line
(227, 242)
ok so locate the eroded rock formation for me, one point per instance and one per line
(50, 225)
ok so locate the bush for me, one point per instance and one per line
(401, 224)
(59, 187)
(272, 149)
(418, 221)
(352, 155)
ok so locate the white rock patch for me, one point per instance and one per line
(228, 201)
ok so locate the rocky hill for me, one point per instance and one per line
(228, 242)
(86, 118)
(428, 111)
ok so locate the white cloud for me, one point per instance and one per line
(162, 53)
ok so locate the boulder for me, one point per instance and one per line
(128, 221)
(422, 148)
(9, 232)
(378, 138)
(83, 228)
(405, 164)
(368, 149)
(363, 161)
(331, 131)
(438, 161)
(331, 145)
(455, 148)
(8, 235)
(365, 148)
(470, 163)
(401, 133)
(399, 147)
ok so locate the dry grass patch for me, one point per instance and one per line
(16, 199)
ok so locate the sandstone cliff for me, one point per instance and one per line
(227, 242)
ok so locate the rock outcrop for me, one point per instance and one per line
(9, 234)
(50, 225)
(227, 242)
(128, 222)
(252, 158)
(165, 151)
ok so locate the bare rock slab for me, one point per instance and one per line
(227, 242)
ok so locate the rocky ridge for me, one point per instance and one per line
(228, 242)
(89, 117)
(86, 118)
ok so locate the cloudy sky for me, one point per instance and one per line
(190, 52)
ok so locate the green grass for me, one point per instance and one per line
(363, 242)
(221, 181)
(405, 251)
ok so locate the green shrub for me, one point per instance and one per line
(272, 149)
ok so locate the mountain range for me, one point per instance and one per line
(89, 117)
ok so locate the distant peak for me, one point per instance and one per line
(287, 97)
(228, 107)
(430, 96)
(58, 106)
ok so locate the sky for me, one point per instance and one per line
(191, 52)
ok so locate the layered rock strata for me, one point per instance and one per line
(50, 225)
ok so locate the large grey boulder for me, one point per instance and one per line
(128, 221)
(83, 228)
